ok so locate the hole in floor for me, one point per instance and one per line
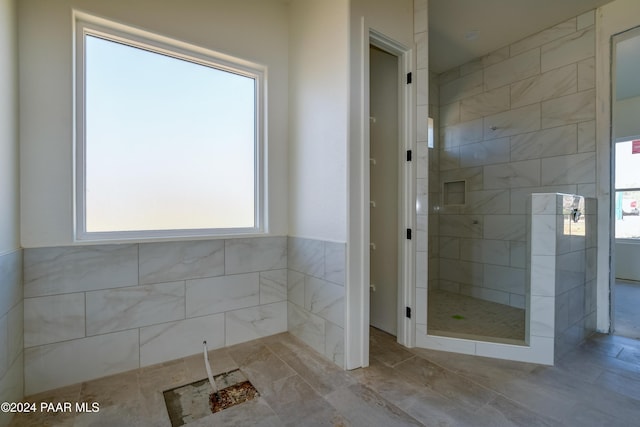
(193, 401)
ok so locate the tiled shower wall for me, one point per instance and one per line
(518, 121)
(11, 329)
(92, 311)
(316, 279)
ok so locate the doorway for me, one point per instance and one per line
(384, 189)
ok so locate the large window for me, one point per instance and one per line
(627, 184)
(168, 138)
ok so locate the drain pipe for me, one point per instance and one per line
(206, 364)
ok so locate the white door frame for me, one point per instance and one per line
(358, 342)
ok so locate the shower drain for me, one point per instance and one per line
(193, 401)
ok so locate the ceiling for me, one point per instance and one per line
(496, 23)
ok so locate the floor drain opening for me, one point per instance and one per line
(193, 401)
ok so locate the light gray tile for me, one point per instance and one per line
(172, 261)
(448, 76)
(460, 226)
(587, 74)
(518, 254)
(4, 346)
(471, 67)
(220, 294)
(463, 133)
(11, 290)
(473, 177)
(505, 279)
(168, 341)
(485, 251)
(449, 159)
(56, 365)
(485, 153)
(512, 175)
(15, 332)
(273, 286)
(552, 84)
(487, 202)
(295, 287)
(485, 104)
(12, 388)
(335, 262)
(486, 294)
(324, 299)
(512, 122)
(545, 143)
(255, 254)
(334, 344)
(572, 169)
(585, 20)
(505, 227)
(53, 318)
(127, 308)
(465, 272)
(513, 69)
(579, 107)
(543, 234)
(450, 114)
(544, 204)
(544, 37)
(496, 56)
(569, 49)
(306, 256)
(462, 87)
(587, 136)
(255, 322)
(422, 92)
(306, 326)
(58, 270)
(543, 275)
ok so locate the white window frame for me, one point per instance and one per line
(85, 24)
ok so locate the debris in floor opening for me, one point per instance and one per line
(193, 401)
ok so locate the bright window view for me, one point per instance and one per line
(170, 143)
(627, 183)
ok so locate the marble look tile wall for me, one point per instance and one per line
(315, 295)
(11, 330)
(147, 303)
(522, 122)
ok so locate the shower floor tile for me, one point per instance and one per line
(461, 316)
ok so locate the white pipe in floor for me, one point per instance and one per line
(206, 364)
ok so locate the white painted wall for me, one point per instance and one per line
(626, 263)
(613, 18)
(625, 119)
(9, 184)
(256, 30)
(318, 114)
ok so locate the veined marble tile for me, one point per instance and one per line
(485, 251)
(512, 122)
(172, 261)
(471, 67)
(421, 271)
(513, 69)
(587, 136)
(422, 238)
(545, 143)
(295, 287)
(12, 387)
(587, 74)
(128, 308)
(579, 107)
(518, 254)
(255, 322)
(505, 227)
(421, 305)
(11, 273)
(587, 19)
(422, 92)
(306, 256)
(450, 159)
(422, 161)
(505, 279)
(544, 37)
(450, 114)
(487, 202)
(462, 87)
(460, 226)
(422, 125)
(512, 175)
(273, 286)
(56, 365)
(335, 262)
(461, 271)
(487, 294)
(53, 318)
(485, 153)
(572, 169)
(168, 341)
(521, 197)
(576, 304)
(15, 332)
(473, 177)
(220, 294)
(552, 84)
(561, 313)
(463, 133)
(4, 343)
(543, 275)
(450, 247)
(568, 49)
(448, 76)
(420, 16)
(485, 104)
(306, 326)
(334, 344)
(59, 270)
(496, 56)
(324, 299)
(517, 301)
(422, 50)
(255, 254)
(543, 234)
(544, 204)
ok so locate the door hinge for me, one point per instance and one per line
(408, 234)
(408, 312)
(409, 77)
(409, 155)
